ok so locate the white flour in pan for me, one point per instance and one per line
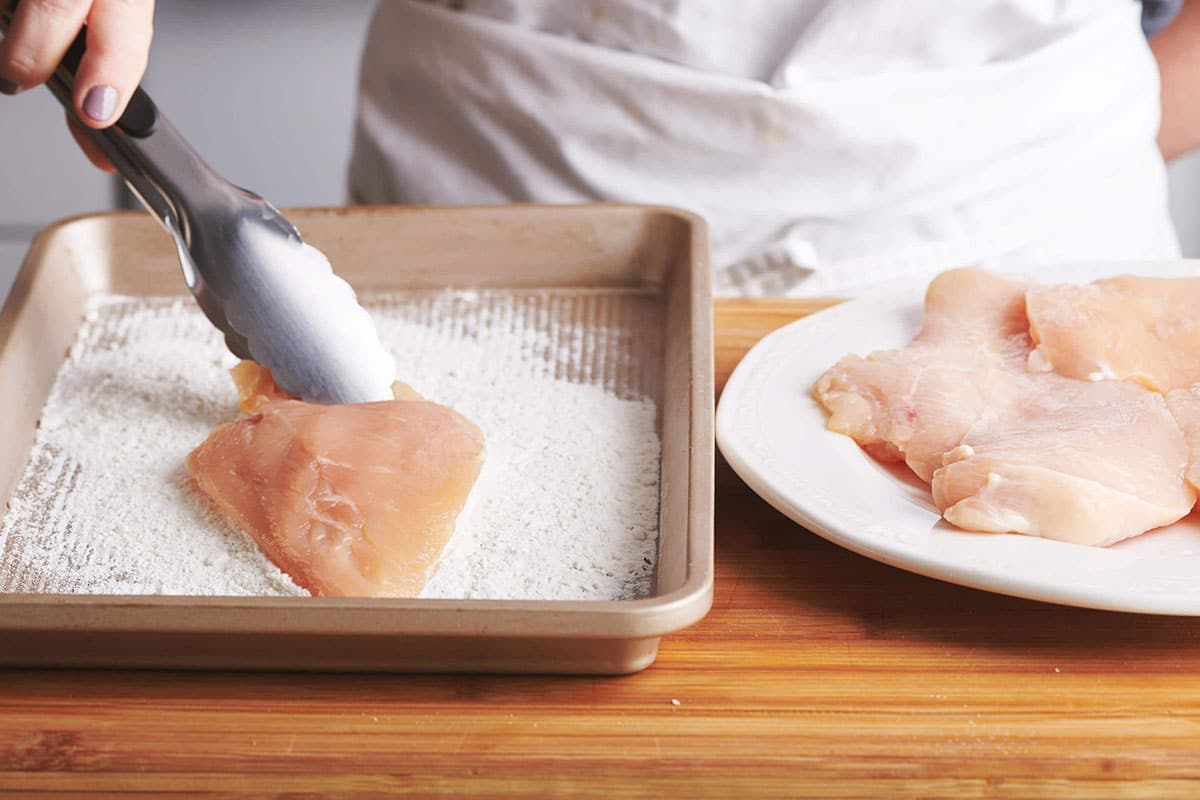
(562, 386)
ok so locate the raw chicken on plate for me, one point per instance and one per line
(1008, 448)
(1141, 329)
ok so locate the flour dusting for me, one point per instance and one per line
(563, 385)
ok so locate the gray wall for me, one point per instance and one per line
(44, 176)
(265, 90)
(1185, 202)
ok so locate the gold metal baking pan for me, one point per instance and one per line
(517, 247)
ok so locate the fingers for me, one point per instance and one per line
(118, 45)
(37, 38)
(88, 147)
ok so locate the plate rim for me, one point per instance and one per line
(811, 518)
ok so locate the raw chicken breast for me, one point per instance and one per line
(349, 500)
(255, 386)
(915, 403)
(1006, 449)
(1142, 329)
(1089, 463)
(1185, 407)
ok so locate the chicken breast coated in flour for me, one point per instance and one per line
(349, 500)
(1005, 449)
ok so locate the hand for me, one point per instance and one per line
(118, 44)
(1177, 49)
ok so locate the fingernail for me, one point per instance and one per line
(100, 102)
(8, 87)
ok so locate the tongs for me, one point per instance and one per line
(275, 298)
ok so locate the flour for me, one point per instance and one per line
(562, 384)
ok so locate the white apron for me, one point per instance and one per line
(831, 144)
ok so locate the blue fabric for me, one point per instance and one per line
(1156, 14)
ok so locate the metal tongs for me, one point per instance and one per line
(275, 298)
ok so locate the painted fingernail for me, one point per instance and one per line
(8, 87)
(100, 102)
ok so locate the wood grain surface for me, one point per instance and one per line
(818, 673)
(740, 322)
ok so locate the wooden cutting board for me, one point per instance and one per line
(738, 323)
(818, 673)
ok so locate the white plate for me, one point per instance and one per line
(773, 434)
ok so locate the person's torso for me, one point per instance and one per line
(830, 143)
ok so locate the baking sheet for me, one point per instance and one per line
(532, 256)
(564, 383)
